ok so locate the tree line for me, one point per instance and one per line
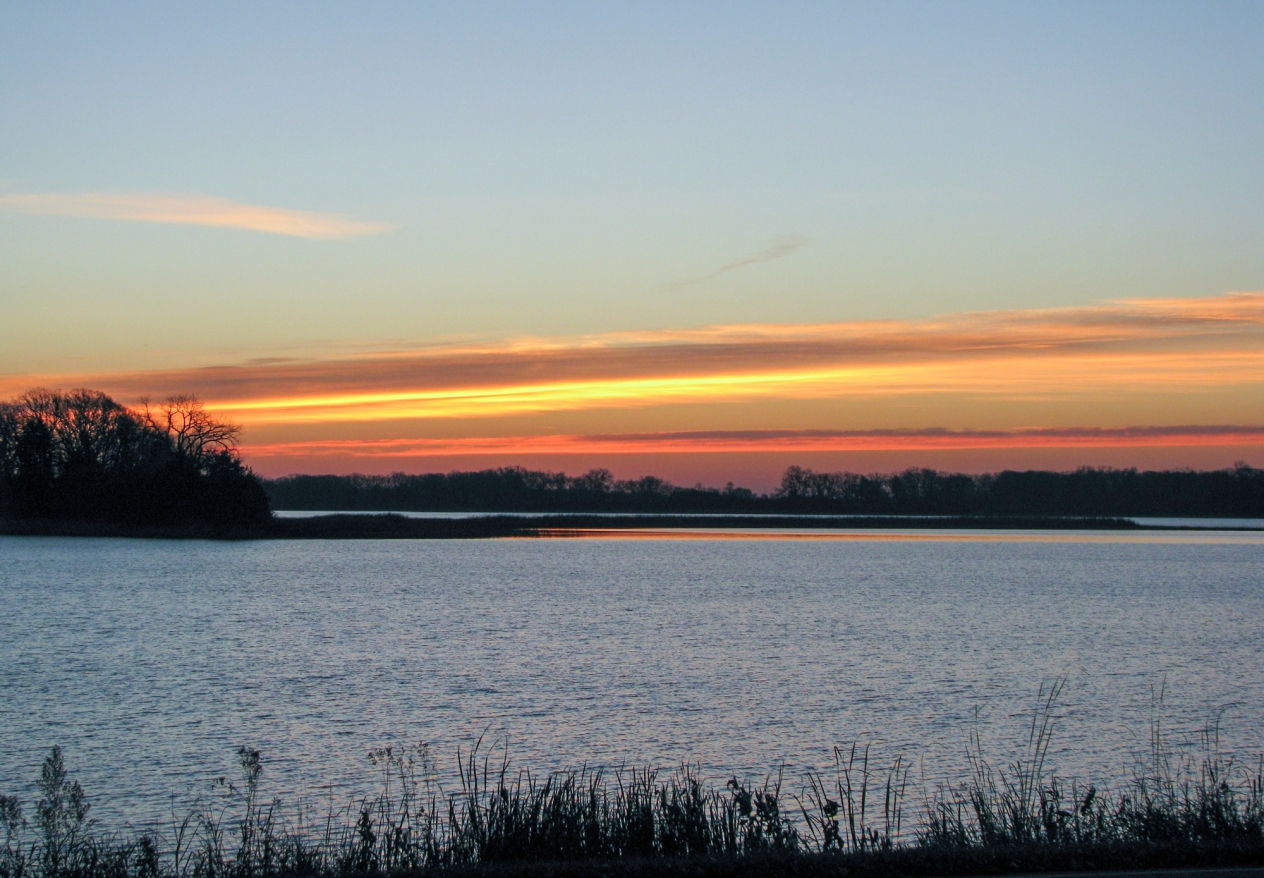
(82, 456)
(1237, 492)
(1234, 492)
(508, 489)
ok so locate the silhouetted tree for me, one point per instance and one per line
(81, 455)
(599, 481)
(192, 430)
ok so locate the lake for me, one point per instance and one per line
(150, 662)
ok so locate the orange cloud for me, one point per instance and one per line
(1108, 354)
(187, 209)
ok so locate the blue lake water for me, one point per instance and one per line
(150, 662)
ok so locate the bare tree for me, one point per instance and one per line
(193, 431)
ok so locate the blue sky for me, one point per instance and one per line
(562, 168)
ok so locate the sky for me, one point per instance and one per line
(702, 241)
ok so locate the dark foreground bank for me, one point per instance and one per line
(398, 527)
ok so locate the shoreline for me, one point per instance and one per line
(493, 525)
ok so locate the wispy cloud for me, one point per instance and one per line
(779, 248)
(190, 209)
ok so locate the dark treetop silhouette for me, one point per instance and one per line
(1236, 492)
(81, 456)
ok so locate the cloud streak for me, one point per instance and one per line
(779, 248)
(190, 209)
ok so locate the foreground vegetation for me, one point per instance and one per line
(1203, 810)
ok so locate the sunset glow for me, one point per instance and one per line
(773, 440)
(1157, 366)
(1031, 378)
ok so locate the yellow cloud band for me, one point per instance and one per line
(1008, 376)
(1111, 354)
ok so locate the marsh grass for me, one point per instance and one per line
(1198, 808)
(1203, 795)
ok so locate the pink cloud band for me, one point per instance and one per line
(729, 441)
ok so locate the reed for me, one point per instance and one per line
(861, 817)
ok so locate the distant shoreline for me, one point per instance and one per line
(342, 526)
